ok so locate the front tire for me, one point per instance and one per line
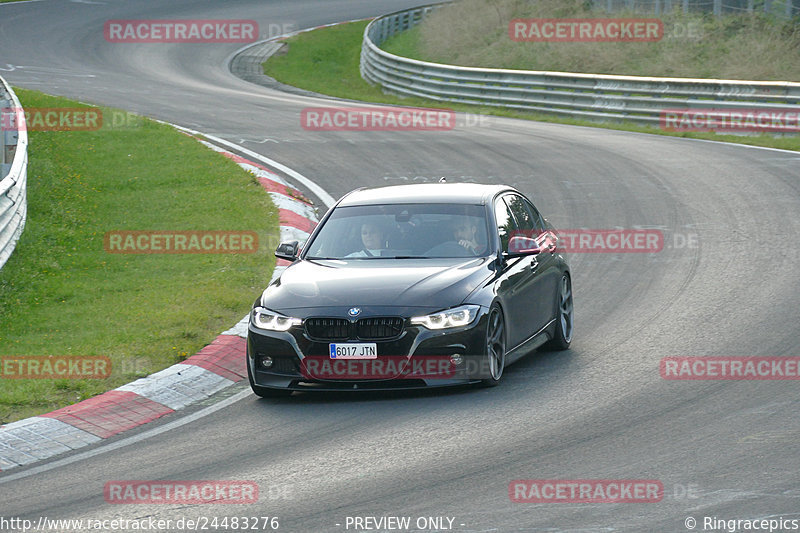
(495, 346)
(565, 324)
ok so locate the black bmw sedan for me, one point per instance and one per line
(412, 286)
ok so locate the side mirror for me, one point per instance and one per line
(287, 250)
(519, 245)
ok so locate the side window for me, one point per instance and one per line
(527, 217)
(506, 226)
(538, 219)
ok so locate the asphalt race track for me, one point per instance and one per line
(724, 449)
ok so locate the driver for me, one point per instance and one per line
(373, 239)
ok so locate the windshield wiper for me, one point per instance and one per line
(392, 257)
(370, 258)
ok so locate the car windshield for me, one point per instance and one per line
(400, 231)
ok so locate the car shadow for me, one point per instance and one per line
(540, 364)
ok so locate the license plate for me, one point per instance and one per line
(354, 350)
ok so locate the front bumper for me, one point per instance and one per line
(418, 358)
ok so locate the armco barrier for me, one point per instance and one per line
(13, 171)
(586, 96)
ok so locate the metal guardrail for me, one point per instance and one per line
(585, 96)
(13, 171)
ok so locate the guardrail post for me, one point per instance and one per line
(14, 171)
(8, 136)
(789, 7)
(717, 8)
(3, 106)
(10, 140)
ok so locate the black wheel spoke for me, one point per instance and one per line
(565, 309)
(495, 344)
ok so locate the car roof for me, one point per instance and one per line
(430, 193)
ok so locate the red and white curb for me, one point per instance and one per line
(215, 367)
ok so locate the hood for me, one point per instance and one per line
(419, 283)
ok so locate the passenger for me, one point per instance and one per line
(464, 232)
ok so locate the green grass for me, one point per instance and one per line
(405, 44)
(61, 293)
(326, 61)
(323, 61)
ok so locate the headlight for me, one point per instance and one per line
(451, 318)
(265, 319)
